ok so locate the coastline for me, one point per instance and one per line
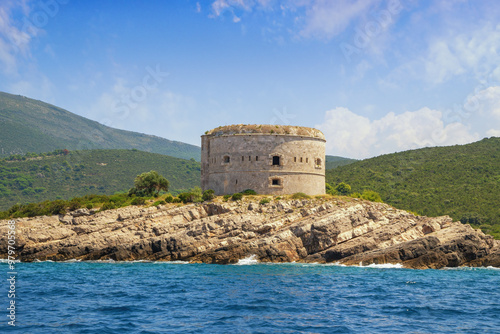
(336, 230)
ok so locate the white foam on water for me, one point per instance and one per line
(383, 266)
(252, 259)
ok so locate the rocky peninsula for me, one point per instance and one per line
(322, 230)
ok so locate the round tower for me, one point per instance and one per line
(270, 159)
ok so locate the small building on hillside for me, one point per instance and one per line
(270, 159)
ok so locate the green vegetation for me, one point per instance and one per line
(208, 195)
(461, 181)
(64, 175)
(149, 184)
(192, 196)
(300, 196)
(249, 192)
(28, 125)
(237, 197)
(334, 161)
(265, 201)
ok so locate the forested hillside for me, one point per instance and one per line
(66, 174)
(28, 125)
(335, 161)
(462, 181)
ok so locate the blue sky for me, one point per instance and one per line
(375, 76)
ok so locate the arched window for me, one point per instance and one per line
(276, 160)
(226, 159)
(318, 162)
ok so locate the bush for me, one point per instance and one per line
(265, 201)
(226, 197)
(237, 197)
(208, 195)
(169, 199)
(57, 207)
(371, 196)
(343, 188)
(138, 201)
(330, 190)
(159, 203)
(75, 204)
(300, 196)
(176, 200)
(249, 192)
(108, 206)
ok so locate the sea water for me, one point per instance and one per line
(162, 297)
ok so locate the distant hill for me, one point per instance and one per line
(28, 125)
(334, 161)
(462, 181)
(80, 173)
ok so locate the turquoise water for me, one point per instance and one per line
(155, 297)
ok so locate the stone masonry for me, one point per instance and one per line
(270, 159)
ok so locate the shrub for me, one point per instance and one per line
(343, 188)
(169, 199)
(226, 197)
(371, 196)
(300, 196)
(75, 204)
(138, 201)
(208, 195)
(57, 207)
(108, 206)
(249, 192)
(176, 200)
(265, 201)
(159, 203)
(330, 190)
(237, 197)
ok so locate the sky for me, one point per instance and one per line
(375, 76)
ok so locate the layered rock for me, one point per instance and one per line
(348, 231)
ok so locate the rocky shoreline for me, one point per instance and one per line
(342, 230)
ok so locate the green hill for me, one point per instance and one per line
(462, 181)
(78, 173)
(334, 161)
(28, 125)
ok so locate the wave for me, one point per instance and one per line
(250, 260)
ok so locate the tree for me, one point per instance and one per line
(148, 184)
(208, 195)
(343, 188)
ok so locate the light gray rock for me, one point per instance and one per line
(313, 230)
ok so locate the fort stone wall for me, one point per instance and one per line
(269, 159)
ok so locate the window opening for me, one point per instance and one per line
(276, 160)
(275, 182)
(227, 159)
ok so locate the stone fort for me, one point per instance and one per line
(270, 159)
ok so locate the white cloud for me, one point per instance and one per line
(314, 18)
(15, 37)
(356, 136)
(481, 111)
(445, 56)
(325, 18)
(159, 112)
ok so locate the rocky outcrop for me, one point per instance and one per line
(347, 231)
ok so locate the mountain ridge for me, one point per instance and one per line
(28, 125)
